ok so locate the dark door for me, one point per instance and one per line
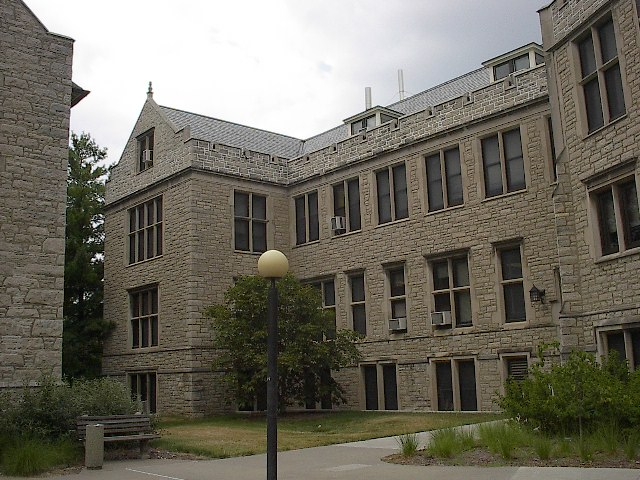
(445, 386)
(390, 387)
(371, 387)
(467, 381)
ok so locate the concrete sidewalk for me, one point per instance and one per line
(349, 461)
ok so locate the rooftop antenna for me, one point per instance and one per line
(150, 92)
(367, 98)
(401, 84)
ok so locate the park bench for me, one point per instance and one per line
(121, 428)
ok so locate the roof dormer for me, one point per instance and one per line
(522, 58)
(370, 118)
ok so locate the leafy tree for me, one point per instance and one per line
(84, 326)
(309, 348)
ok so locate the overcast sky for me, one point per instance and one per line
(296, 67)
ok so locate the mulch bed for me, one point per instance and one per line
(483, 458)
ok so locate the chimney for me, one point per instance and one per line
(401, 84)
(367, 98)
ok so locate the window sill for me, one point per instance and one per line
(509, 194)
(144, 261)
(446, 209)
(605, 126)
(393, 222)
(515, 324)
(346, 234)
(452, 330)
(247, 252)
(617, 255)
(305, 244)
(155, 348)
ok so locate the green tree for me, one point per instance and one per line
(309, 347)
(84, 326)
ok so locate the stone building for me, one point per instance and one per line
(443, 227)
(36, 93)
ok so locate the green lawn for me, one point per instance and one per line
(237, 435)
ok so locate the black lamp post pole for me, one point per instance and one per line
(272, 383)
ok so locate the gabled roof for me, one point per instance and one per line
(234, 134)
(242, 136)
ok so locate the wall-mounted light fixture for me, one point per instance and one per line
(536, 295)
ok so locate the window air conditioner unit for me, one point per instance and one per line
(338, 223)
(441, 318)
(146, 158)
(398, 324)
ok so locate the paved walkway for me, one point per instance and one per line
(349, 461)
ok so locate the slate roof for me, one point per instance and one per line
(241, 136)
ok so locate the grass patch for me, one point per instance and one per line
(503, 438)
(237, 435)
(449, 442)
(28, 457)
(409, 444)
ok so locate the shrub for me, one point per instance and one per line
(28, 456)
(543, 446)
(576, 396)
(502, 438)
(409, 444)
(50, 410)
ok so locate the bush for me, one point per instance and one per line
(50, 410)
(409, 444)
(28, 457)
(502, 438)
(575, 397)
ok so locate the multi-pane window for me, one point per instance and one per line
(397, 293)
(380, 397)
(250, 222)
(144, 318)
(145, 231)
(601, 80)
(503, 163)
(512, 284)
(358, 305)
(452, 290)
(346, 204)
(444, 179)
(145, 150)
(307, 225)
(452, 394)
(327, 290)
(627, 345)
(618, 216)
(363, 125)
(393, 202)
(515, 64)
(143, 388)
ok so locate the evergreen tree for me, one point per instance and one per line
(84, 326)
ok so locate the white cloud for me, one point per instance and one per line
(290, 66)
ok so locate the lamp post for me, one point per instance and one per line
(272, 265)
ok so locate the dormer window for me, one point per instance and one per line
(522, 58)
(369, 119)
(145, 151)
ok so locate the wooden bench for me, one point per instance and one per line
(121, 428)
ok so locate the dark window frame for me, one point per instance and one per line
(144, 388)
(498, 156)
(254, 222)
(512, 285)
(444, 177)
(145, 143)
(455, 290)
(358, 303)
(346, 203)
(144, 317)
(146, 236)
(392, 182)
(307, 218)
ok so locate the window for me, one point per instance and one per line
(601, 80)
(144, 389)
(552, 150)
(376, 399)
(451, 289)
(358, 306)
(397, 294)
(250, 222)
(456, 385)
(504, 69)
(512, 284)
(307, 226)
(362, 125)
(626, 342)
(392, 194)
(444, 179)
(327, 291)
(516, 367)
(346, 204)
(145, 231)
(145, 150)
(144, 318)
(618, 216)
(503, 163)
